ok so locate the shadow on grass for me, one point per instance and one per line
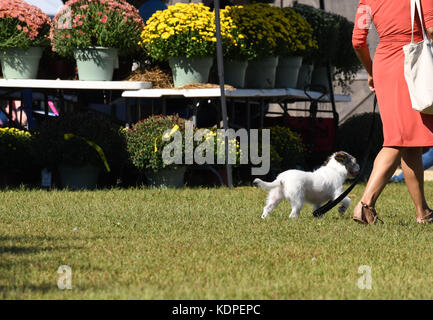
(31, 238)
(20, 250)
(23, 250)
(42, 288)
(48, 238)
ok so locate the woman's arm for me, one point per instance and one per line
(361, 27)
(363, 55)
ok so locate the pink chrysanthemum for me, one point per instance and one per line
(30, 19)
(91, 22)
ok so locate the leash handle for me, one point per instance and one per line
(331, 204)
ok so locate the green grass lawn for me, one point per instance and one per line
(206, 244)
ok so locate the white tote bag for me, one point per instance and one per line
(418, 67)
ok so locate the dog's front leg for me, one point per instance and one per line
(294, 214)
(345, 203)
(296, 207)
(315, 207)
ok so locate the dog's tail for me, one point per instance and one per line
(267, 185)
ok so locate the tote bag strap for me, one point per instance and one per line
(415, 5)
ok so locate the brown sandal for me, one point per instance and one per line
(428, 218)
(366, 214)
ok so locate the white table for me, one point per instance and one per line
(13, 88)
(246, 95)
(66, 85)
(73, 84)
(236, 93)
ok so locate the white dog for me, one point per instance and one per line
(318, 187)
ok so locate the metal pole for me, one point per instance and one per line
(331, 87)
(220, 63)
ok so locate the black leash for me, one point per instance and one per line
(331, 204)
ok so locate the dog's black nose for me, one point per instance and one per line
(354, 173)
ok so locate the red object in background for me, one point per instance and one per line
(317, 134)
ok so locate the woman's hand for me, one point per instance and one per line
(371, 83)
(430, 33)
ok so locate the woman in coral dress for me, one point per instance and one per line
(406, 131)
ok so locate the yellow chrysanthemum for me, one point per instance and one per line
(248, 31)
(169, 32)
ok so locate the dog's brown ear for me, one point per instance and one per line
(341, 157)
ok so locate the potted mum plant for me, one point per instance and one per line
(15, 155)
(79, 146)
(23, 36)
(96, 33)
(210, 145)
(183, 35)
(326, 34)
(298, 39)
(145, 145)
(289, 146)
(258, 23)
(287, 150)
(235, 46)
(214, 141)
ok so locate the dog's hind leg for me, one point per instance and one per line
(315, 207)
(345, 203)
(274, 198)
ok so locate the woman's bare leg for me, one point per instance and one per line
(411, 163)
(385, 164)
